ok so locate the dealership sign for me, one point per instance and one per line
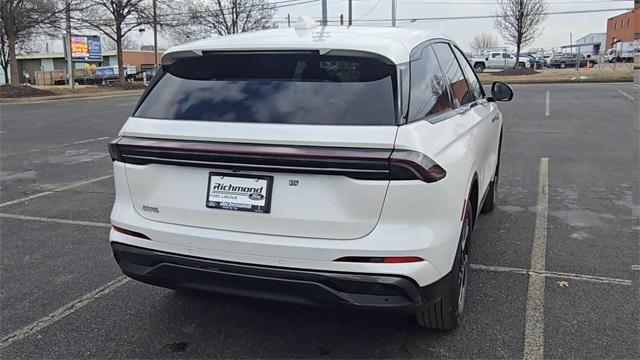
(86, 48)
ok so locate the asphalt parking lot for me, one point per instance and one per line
(556, 266)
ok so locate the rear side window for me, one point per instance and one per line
(472, 79)
(288, 87)
(459, 88)
(429, 94)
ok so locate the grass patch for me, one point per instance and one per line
(560, 76)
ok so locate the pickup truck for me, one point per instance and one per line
(562, 61)
(497, 60)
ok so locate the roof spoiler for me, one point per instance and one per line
(170, 58)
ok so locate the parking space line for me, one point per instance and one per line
(59, 146)
(62, 312)
(554, 274)
(86, 141)
(489, 268)
(63, 188)
(626, 95)
(547, 108)
(54, 220)
(534, 316)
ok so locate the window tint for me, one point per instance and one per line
(294, 88)
(495, 55)
(460, 90)
(429, 94)
(472, 79)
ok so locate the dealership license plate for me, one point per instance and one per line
(239, 192)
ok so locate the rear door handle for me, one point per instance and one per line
(495, 118)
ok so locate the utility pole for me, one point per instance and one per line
(155, 36)
(67, 13)
(324, 12)
(571, 41)
(350, 12)
(289, 20)
(394, 6)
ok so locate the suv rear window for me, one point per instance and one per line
(291, 87)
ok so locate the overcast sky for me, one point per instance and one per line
(556, 27)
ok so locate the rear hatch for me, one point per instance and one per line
(281, 143)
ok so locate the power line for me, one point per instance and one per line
(370, 10)
(494, 16)
(494, 3)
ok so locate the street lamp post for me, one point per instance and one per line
(155, 36)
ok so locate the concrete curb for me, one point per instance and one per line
(96, 95)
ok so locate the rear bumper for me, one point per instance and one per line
(266, 282)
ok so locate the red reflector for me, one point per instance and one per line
(130, 233)
(388, 260)
(402, 259)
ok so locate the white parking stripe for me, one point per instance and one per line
(626, 95)
(62, 312)
(59, 146)
(54, 220)
(538, 250)
(86, 141)
(63, 188)
(534, 316)
(103, 290)
(554, 274)
(547, 108)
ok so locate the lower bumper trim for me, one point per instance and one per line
(272, 283)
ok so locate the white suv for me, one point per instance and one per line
(326, 166)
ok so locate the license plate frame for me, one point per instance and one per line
(214, 197)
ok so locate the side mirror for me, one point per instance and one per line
(501, 92)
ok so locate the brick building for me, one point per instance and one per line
(624, 27)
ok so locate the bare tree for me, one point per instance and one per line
(127, 44)
(483, 42)
(231, 16)
(19, 20)
(115, 19)
(23, 45)
(4, 55)
(520, 21)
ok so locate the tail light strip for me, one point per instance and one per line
(358, 163)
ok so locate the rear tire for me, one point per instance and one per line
(490, 201)
(491, 198)
(479, 67)
(444, 301)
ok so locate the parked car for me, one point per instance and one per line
(498, 60)
(562, 61)
(266, 164)
(534, 62)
